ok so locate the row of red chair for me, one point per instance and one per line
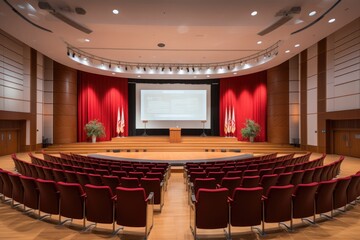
(212, 208)
(131, 207)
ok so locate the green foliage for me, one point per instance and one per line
(251, 129)
(94, 127)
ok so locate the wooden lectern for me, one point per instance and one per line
(175, 135)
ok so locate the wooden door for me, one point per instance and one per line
(341, 142)
(12, 142)
(2, 143)
(354, 143)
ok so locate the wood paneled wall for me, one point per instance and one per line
(321, 88)
(65, 104)
(278, 104)
(303, 99)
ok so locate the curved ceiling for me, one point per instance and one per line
(194, 33)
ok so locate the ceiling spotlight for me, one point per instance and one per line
(331, 20)
(297, 45)
(68, 52)
(73, 55)
(229, 67)
(193, 69)
(87, 40)
(162, 69)
(254, 13)
(115, 11)
(144, 69)
(109, 65)
(126, 68)
(259, 42)
(312, 13)
(187, 69)
(287, 51)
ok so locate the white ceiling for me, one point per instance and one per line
(193, 31)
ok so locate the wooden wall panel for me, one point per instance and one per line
(33, 99)
(321, 88)
(278, 104)
(303, 99)
(65, 104)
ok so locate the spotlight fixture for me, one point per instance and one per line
(144, 69)
(126, 68)
(68, 52)
(73, 55)
(109, 65)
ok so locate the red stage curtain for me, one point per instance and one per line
(99, 97)
(248, 95)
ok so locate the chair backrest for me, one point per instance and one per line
(284, 179)
(195, 175)
(303, 200)
(250, 181)
(83, 178)
(230, 183)
(48, 196)
(137, 175)
(71, 176)
(7, 186)
(72, 200)
(152, 185)
(59, 175)
(352, 190)
(217, 175)
(31, 193)
(112, 181)
(209, 183)
(102, 171)
(308, 175)
(17, 187)
(277, 204)
(265, 171)
(297, 177)
(100, 202)
(246, 206)
(253, 172)
(325, 173)
(233, 174)
(158, 175)
(48, 172)
(279, 170)
(95, 179)
(131, 207)
(267, 181)
(129, 182)
(212, 209)
(119, 173)
(324, 196)
(339, 194)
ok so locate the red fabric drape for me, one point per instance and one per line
(99, 97)
(248, 95)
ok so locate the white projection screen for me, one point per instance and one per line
(173, 105)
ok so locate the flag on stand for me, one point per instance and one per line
(122, 121)
(118, 122)
(226, 122)
(233, 123)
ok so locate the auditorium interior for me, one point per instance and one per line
(172, 85)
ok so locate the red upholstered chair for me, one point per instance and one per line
(129, 182)
(279, 170)
(297, 177)
(83, 178)
(137, 175)
(217, 175)
(101, 171)
(250, 181)
(119, 173)
(233, 174)
(245, 207)
(324, 198)
(308, 175)
(339, 195)
(212, 169)
(17, 188)
(209, 210)
(228, 168)
(208, 183)
(134, 209)
(304, 201)
(100, 204)
(144, 170)
(277, 206)
(155, 186)
(95, 179)
(59, 175)
(112, 181)
(267, 181)
(230, 183)
(352, 190)
(289, 168)
(72, 201)
(317, 174)
(284, 179)
(40, 172)
(48, 196)
(253, 172)
(325, 173)
(71, 176)
(6, 184)
(265, 171)
(33, 171)
(31, 193)
(48, 172)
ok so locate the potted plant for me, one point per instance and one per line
(251, 130)
(94, 129)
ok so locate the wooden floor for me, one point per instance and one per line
(173, 222)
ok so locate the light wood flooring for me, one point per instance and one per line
(173, 222)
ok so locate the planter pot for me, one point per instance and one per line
(93, 138)
(251, 139)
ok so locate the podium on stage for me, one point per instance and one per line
(175, 135)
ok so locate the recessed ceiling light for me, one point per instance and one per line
(259, 42)
(312, 13)
(87, 40)
(254, 13)
(297, 45)
(207, 75)
(287, 51)
(113, 73)
(161, 45)
(115, 11)
(332, 20)
(235, 73)
(138, 76)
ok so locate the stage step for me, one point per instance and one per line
(162, 144)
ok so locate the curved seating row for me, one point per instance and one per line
(213, 208)
(129, 207)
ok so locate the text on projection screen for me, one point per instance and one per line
(165, 105)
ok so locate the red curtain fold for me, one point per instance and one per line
(99, 97)
(248, 95)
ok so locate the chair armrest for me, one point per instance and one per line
(218, 185)
(114, 198)
(151, 196)
(162, 183)
(193, 198)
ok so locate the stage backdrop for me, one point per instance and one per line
(248, 95)
(99, 97)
